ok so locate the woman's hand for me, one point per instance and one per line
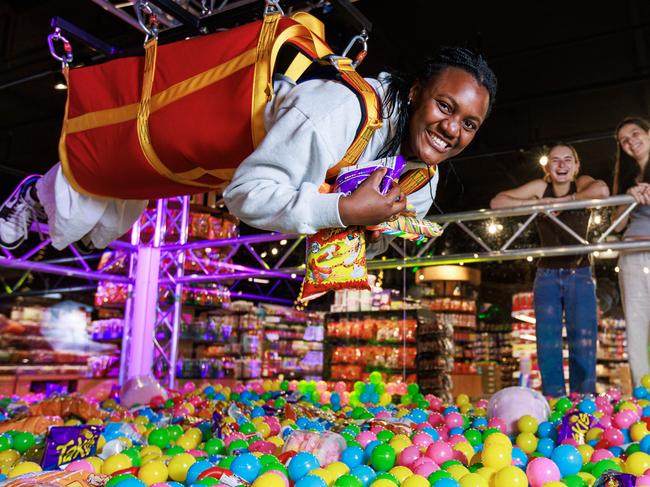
(550, 200)
(640, 193)
(367, 206)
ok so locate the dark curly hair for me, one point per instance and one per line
(399, 86)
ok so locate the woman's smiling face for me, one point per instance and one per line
(634, 141)
(562, 165)
(445, 115)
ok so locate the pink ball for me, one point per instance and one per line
(498, 423)
(422, 440)
(601, 454)
(321, 386)
(262, 447)
(454, 420)
(570, 441)
(425, 469)
(455, 439)
(232, 437)
(377, 428)
(613, 437)
(435, 419)
(181, 412)
(188, 387)
(440, 451)
(293, 385)
(614, 394)
(624, 419)
(274, 424)
(340, 387)
(83, 465)
(239, 388)
(366, 437)
(541, 470)
(345, 398)
(435, 403)
(382, 415)
(402, 388)
(423, 461)
(391, 388)
(605, 421)
(482, 403)
(325, 397)
(409, 455)
(442, 432)
(643, 481)
(197, 453)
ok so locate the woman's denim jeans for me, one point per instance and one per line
(568, 293)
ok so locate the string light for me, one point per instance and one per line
(492, 228)
(263, 255)
(617, 269)
(293, 276)
(274, 251)
(597, 219)
(529, 258)
(283, 242)
(646, 270)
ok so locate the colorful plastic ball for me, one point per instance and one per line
(306, 481)
(179, 465)
(352, 456)
(115, 463)
(545, 447)
(5, 442)
(497, 456)
(473, 480)
(80, 465)
(527, 441)
(527, 424)
(301, 464)
(348, 480)
(440, 451)
(510, 477)
(542, 470)
(364, 473)
(519, 457)
(197, 469)
(446, 483)
(159, 438)
(574, 481)
(383, 457)
(416, 481)
(24, 467)
(153, 472)
(637, 463)
(568, 459)
(23, 441)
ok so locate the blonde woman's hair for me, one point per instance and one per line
(547, 176)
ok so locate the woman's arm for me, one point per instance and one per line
(528, 194)
(641, 194)
(589, 188)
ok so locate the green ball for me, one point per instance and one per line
(354, 429)
(159, 437)
(574, 481)
(237, 444)
(406, 399)
(267, 459)
(449, 463)
(118, 478)
(5, 442)
(348, 480)
(174, 450)
(284, 385)
(354, 443)
(208, 481)
(169, 404)
(347, 436)
(563, 405)
(225, 462)
(387, 476)
(234, 396)
(175, 431)
(413, 389)
(633, 448)
(279, 403)
(475, 467)
(134, 455)
(588, 467)
(490, 431)
(437, 475)
(23, 441)
(277, 467)
(385, 436)
(474, 436)
(382, 458)
(214, 446)
(603, 466)
(375, 377)
(247, 428)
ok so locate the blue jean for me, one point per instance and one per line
(568, 292)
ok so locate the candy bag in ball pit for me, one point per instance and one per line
(336, 260)
(78, 478)
(326, 446)
(615, 479)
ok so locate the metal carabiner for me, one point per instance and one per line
(363, 39)
(272, 7)
(149, 23)
(66, 58)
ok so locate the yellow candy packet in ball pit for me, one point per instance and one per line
(58, 478)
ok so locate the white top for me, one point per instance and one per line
(309, 128)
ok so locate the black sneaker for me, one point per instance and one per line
(85, 246)
(18, 212)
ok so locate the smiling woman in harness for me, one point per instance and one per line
(564, 288)
(428, 117)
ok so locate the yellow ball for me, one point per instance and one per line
(510, 476)
(150, 457)
(383, 483)
(465, 408)
(269, 479)
(628, 405)
(328, 476)
(9, 456)
(416, 481)
(645, 381)
(554, 483)
(116, 462)
(527, 442)
(72, 422)
(401, 473)
(146, 450)
(498, 439)
(179, 465)
(401, 413)
(96, 462)
(637, 463)
(101, 441)
(264, 430)
(594, 434)
(457, 471)
(94, 422)
(153, 472)
(480, 412)
(186, 442)
(141, 420)
(338, 468)
(24, 467)
(399, 442)
(466, 449)
(638, 431)
(487, 473)
(194, 433)
(497, 456)
(462, 400)
(587, 477)
(527, 424)
(473, 480)
(586, 451)
(276, 440)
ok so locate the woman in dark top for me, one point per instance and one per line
(564, 287)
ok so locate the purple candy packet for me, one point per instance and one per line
(612, 478)
(575, 426)
(349, 178)
(65, 444)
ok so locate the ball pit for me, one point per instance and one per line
(306, 434)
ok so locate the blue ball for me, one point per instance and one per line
(449, 409)
(519, 457)
(196, 470)
(645, 444)
(364, 473)
(587, 406)
(640, 392)
(480, 423)
(446, 482)
(310, 481)
(616, 450)
(435, 436)
(257, 411)
(568, 459)
(546, 447)
(544, 429)
(300, 465)
(247, 466)
(456, 431)
(131, 482)
(418, 416)
(353, 456)
(369, 448)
